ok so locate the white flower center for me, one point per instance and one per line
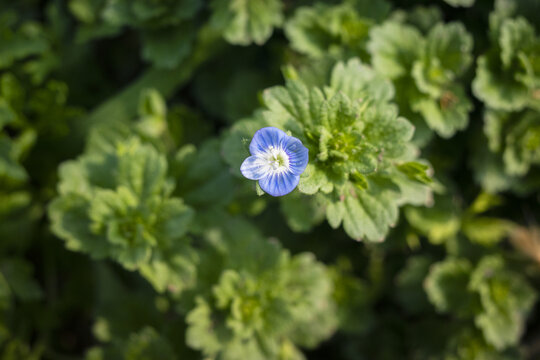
(277, 159)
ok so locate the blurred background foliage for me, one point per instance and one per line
(127, 231)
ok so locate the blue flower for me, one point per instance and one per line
(276, 160)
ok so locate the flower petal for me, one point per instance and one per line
(254, 168)
(279, 184)
(297, 153)
(264, 138)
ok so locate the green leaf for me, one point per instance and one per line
(26, 113)
(246, 21)
(172, 269)
(489, 171)
(199, 334)
(85, 10)
(394, 47)
(439, 223)
(416, 171)
(302, 212)
(446, 114)
(142, 13)
(484, 202)
(359, 82)
(515, 36)
(314, 180)
(202, 178)
(507, 76)
(344, 127)
(141, 168)
(485, 230)
(523, 144)
(515, 136)
(18, 275)
(29, 39)
(422, 17)
(355, 139)
(447, 287)
(147, 344)
(506, 299)
(366, 214)
(235, 145)
(505, 9)
(70, 221)
(460, 3)
(447, 55)
(11, 172)
(152, 104)
(261, 292)
(469, 343)
(498, 88)
(167, 47)
(117, 203)
(325, 29)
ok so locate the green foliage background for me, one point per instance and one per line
(128, 232)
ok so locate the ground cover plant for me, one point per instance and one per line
(269, 179)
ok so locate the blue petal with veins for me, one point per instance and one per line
(276, 161)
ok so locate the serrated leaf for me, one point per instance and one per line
(506, 299)
(140, 168)
(314, 180)
(469, 343)
(447, 54)
(358, 81)
(506, 77)
(515, 36)
(498, 89)
(262, 292)
(446, 114)
(325, 29)
(522, 144)
(422, 17)
(117, 203)
(172, 269)
(447, 287)
(394, 47)
(246, 21)
(352, 132)
(69, 221)
(369, 214)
